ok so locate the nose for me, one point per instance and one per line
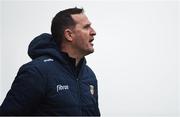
(93, 32)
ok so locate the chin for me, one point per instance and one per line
(89, 51)
(92, 50)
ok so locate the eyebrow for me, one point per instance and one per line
(87, 25)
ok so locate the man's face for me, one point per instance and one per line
(83, 34)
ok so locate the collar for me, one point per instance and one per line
(72, 61)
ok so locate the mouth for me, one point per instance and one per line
(91, 40)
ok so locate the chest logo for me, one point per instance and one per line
(91, 87)
(62, 87)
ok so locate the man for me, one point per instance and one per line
(57, 81)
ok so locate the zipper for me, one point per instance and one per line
(77, 74)
(79, 95)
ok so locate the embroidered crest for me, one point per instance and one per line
(91, 87)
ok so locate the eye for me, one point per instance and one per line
(87, 26)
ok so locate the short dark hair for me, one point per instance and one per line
(61, 21)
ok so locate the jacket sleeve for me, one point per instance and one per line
(93, 76)
(97, 105)
(25, 93)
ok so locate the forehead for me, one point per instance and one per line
(80, 18)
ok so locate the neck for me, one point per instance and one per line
(72, 53)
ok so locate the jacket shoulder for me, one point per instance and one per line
(41, 65)
(89, 70)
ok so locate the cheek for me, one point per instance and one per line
(82, 42)
(83, 39)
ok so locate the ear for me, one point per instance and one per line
(68, 34)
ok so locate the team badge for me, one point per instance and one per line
(91, 87)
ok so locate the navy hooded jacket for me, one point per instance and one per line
(51, 84)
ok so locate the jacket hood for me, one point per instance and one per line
(43, 45)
